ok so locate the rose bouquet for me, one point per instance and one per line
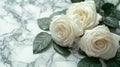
(87, 27)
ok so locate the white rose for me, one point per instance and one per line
(64, 30)
(100, 42)
(87, 12)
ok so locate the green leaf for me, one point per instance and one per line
(82, 52)
(100, 11)
(108, 8)
(61, 50)
(114, 30)
(58, 13)
(115, 14)
(111, 63)
(74, 1)
(119, 42)
(117, 57)
(114, 62)
(99, 4)
(89, 62)
(112, 22)
(44, 23)
(41, 42)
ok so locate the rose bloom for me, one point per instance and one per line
(64, 30)
(100, 42)
(87, 12)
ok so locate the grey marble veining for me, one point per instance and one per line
(18, 27)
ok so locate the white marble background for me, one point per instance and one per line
(18, 27)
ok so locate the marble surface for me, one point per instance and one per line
(18, 27)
